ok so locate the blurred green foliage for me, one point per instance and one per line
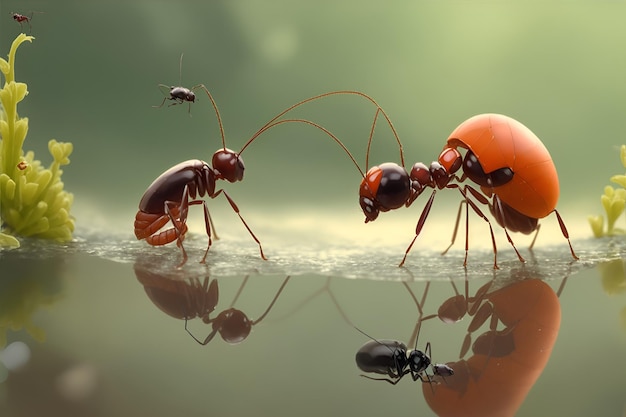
(613, 201)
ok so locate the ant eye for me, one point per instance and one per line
(369, 208)
(229, 165)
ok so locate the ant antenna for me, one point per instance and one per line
(379, 110)
(269, 307)
(217, 112)
(322, 128)
(180, 70)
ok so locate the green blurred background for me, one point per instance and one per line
(93, 71)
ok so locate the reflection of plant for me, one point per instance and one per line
(613, 275)
(613, 200)
(20, 298)
(32, 199)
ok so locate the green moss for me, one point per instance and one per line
(32, 199)
(613, 201)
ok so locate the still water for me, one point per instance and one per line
(103, 333)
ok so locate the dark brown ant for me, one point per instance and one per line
(179, 94)
(232, 324)
(168, 198)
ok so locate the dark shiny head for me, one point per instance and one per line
(385, 187)
(233, 325)
(228, 164)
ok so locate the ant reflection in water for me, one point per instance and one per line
(187, 299)
(509, 357)
(392, 358)
(232, 324)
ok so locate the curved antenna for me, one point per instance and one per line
(379, 110)
(217, 112)
(308, 122)
(180, 70)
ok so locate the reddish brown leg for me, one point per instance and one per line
(478, 196)
(420, 224)
(565, 233)
(208, 223)
(497, 205)
(171, 208)
(236, 209)
(456, 226)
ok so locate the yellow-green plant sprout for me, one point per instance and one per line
(613, 201)
(32, 199)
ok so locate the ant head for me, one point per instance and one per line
(233, 325)
(228, 165)
(385, 187)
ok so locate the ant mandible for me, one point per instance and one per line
(232, 324)
(179, 94)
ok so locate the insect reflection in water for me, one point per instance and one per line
(189, 299)
(392, 358)
(505, 363)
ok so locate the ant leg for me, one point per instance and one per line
(392, 382)
(565, 233)
(420, 224)
(208, 223)
(456, 226)
(477, 210)
(497, 206)
(179, 225)
(161, 105)
(208, 338)
(236, 209)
